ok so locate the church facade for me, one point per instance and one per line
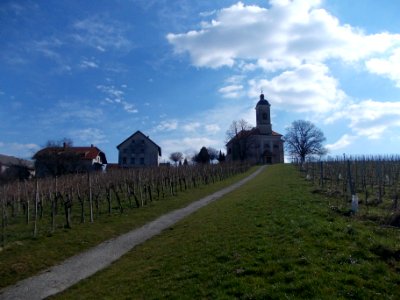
(260, 144)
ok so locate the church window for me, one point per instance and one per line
(264, 116)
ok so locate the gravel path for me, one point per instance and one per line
(83, 265)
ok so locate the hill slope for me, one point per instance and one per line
(272, 238)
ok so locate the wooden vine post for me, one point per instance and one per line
(90, 198)
(3, 218)
(36, 208)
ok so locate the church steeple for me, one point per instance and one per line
(263, 116)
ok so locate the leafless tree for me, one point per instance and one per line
(239, 137)
(176, 157)
(304, 139)
(236, 127)
(60, 143)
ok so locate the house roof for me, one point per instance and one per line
(85, 153)
(254, 131)
(11, 160)
(146, 137)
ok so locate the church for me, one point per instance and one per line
(260, 144)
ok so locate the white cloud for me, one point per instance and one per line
(18, 149)
(129, 107)
(207, 13)
(117, 96)
(308, 88)
(101, 34)
(191, 127)
(168, 125)
(48, 47)
(369, 118)
(66, 111)
(86, 64)
(51, 49)
(89, 136)
(187, 145)
(343, 142)
(388, 67)
(285, 35)
(231, 91)
(212, 128)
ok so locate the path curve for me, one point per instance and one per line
(85, 264)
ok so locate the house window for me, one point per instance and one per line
(142, 160)
(133, 161)
(125, 150)
(141, 150)
(124, 160)
(276, 146)
(142, 142)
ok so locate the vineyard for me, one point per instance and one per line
(42, 206)
(365, 186)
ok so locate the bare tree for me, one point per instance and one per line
(236, 127)
(239, 139)
(304, 139)
(176, 157)
(60, 143)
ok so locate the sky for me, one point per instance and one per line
(181, 71)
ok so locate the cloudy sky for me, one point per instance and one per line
(181, 71)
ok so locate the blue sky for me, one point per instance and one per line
(181, 71)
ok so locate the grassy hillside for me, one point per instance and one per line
(271, 238)
(26, 256)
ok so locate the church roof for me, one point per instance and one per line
(247, 133)
(262, 101)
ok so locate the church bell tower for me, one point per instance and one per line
(263, 116)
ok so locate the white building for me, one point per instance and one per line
(260, 144)
(138, 150)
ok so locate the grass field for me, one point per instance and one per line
(27, 256)
(270, 239)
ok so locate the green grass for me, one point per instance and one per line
(27, 256)
(270, 239)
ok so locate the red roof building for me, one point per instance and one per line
(66, 159)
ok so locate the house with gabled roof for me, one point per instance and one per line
(67, 159)
(138, 150)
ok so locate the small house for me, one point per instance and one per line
(138, 150)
